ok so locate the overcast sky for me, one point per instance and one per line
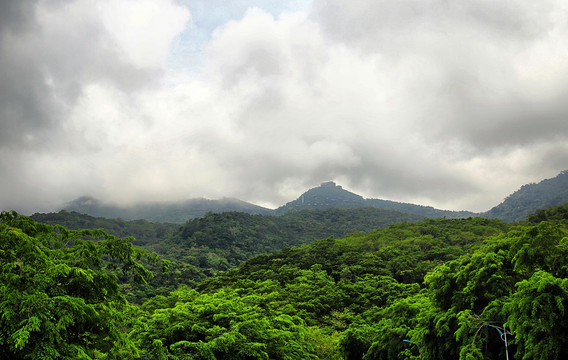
(453, 104)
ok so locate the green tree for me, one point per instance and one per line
(538, 315)
(59, 297)
(227, 324)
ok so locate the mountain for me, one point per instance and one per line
(172, 212)
(531, 198)
(327, 195)
(330, 195)
(517, 206)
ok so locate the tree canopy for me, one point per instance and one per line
(463, 289)
(59, 297)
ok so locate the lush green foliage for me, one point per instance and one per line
(144, 232)
(515, 281)
(226, 324)
(437, 289)
(558, 214)
(202, 247)
(59, 297)
(221, 241)
(404, 251)
(343, 289)
(218, 242)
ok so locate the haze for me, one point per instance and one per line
(449, 104)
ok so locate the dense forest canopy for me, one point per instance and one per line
(201, 247)
(434, 289)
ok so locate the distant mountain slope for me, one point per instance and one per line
(329, 195)
(237, 236)
(531, 198)
(145, 232)
(424, 211)
(172, 212)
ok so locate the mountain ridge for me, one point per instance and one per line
(531, 198)
(172, 212)
(330, 195)
(515, 207)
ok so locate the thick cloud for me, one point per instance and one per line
(13, 15)
(453, 105)
(50, 53)
(392, 110)
(490, 74)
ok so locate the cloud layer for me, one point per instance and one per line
(449, 105)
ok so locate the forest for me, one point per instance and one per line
(472, 288)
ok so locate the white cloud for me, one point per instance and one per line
(449, 104)
(144, 29)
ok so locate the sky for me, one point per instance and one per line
(452, 104)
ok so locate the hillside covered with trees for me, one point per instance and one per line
(531, 198)
(201, 247)
(330, 195)
(435, 289)
(144, 232)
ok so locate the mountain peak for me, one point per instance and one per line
(330, 195)
(330, 184)
(327, 195)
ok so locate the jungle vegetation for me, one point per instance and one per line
(433, 289)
